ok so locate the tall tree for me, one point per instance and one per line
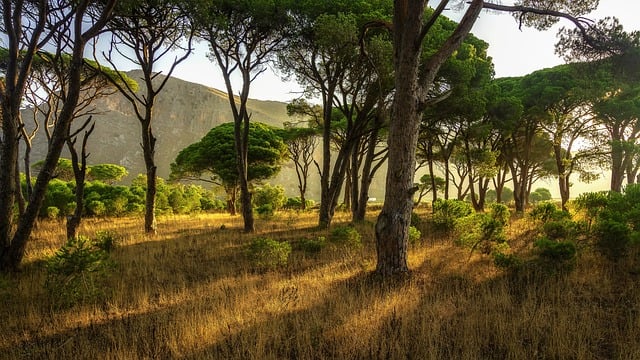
(562, 98)
(302, 142)
(243, 37)
(326, 47)
(212, 159)
(145, 33)
(66, 26)
(414, 79)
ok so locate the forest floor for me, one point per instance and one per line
(191, 292)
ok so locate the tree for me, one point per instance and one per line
(414, 78)
(562, 98)
(325, 51)
(109, 173)
(243, 37)
(426, 185)
(144, 33)
(214, 156)
(66, 27)
(301, 143)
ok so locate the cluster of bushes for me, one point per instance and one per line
(77, 272)
(102, 199)
(612, 220)
(267, 199)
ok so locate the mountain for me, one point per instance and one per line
(183, 114)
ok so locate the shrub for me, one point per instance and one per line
(415, 219)
(269, 195)
(539, 195)
(313, 245)
(546, 211)
(268, 254)
(612, 239)
(96, 207)
(265, 211)
(345, 235)
(105, 240)
(555, 255)
(500, 213)
(414, 235)
(53, 212)
(506, 261)
(484, 231)
(76, 271)
(446, 212)
(293, 203)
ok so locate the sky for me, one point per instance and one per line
(515, 52)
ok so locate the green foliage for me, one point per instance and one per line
(76, 272)
(414, 235)
(612, 238)
(268, 254)
(485, 231)
(313, 245)
(345, 235)
(59, 194)
(96, 208)
(546, 211)
(415, 219)
(447, 212)
(265, 211)
(506, 261)
(555, 255)
(108, 173)
(615, 218)
(539, 195)
(215, 155)
(52, 212)
(106, 240)
(269, 195)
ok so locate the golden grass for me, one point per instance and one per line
(190, 293)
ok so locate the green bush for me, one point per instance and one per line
(105, 240)
(500, 213)
(612, 238)
(414, 235)
(269, 195)
(506, 261)
(556, 255)
(546, 211)
(268, 254)
(75, 273)
(313, 245)
(447, 212)
(96, 208)
(415, 219)
(265, 211)
(484, 231)
(345, 235)
(53, 212)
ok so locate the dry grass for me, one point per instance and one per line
(190, 293)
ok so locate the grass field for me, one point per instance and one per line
(191, 293)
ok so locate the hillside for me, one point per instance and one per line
(184, 113)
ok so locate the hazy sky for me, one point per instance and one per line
(515, 52)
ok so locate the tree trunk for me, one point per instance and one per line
(8, 161)
(392, 226)
(148, 148)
